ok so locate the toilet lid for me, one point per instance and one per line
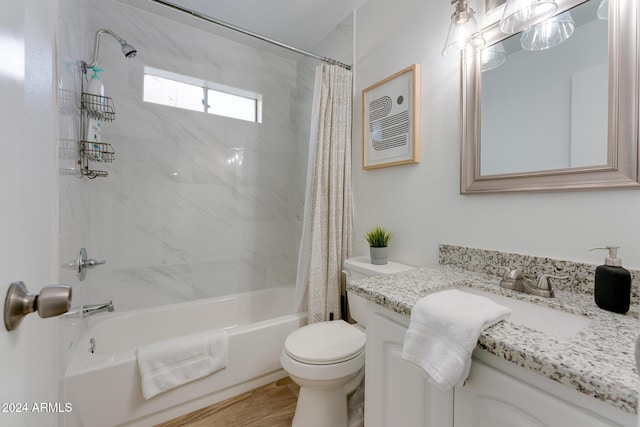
(324, 343)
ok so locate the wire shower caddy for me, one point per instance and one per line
(99, 108)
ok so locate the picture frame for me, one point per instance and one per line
(390, 120)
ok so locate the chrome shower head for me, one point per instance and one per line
(128, 50)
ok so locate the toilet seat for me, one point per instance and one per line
(325, 343)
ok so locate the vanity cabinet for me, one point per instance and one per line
(498, 393)
(397, 392)
(491, 398)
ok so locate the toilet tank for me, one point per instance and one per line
(360, 268)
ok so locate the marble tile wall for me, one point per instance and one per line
(74, 194)
(174, 220)
(581, 276)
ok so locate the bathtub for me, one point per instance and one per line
(104, 387)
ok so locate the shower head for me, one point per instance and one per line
(128, 50)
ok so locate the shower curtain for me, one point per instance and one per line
(327, 233)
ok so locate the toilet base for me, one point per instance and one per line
(356, 406)
(321, 408)
(325, 406)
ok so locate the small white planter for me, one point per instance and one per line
(378, 255)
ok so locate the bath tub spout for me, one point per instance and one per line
(91, 309)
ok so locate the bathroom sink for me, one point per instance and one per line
(538, 317)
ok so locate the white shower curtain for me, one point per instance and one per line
(327, 231)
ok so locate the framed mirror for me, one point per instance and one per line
(554, 119)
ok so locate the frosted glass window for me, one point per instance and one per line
(175, 90)
(230, 105)
(172, 93)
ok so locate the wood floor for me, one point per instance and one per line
(272, 405)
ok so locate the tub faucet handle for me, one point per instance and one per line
(90, 263)
(85, 263)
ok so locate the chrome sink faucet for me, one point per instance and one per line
(513, 279)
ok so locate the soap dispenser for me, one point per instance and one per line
(95, 86)
(94, 126)
(613, 283)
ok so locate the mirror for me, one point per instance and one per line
(565, 118)
(563, 123)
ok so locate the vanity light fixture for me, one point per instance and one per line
(603, 10)
(549, 33)
(492, 57)
(464, 33)
(521, 14)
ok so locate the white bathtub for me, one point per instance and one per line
(104, 387)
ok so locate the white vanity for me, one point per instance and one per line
(583, 375)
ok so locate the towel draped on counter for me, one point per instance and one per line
(443, 331)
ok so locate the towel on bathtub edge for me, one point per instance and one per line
(172, 363)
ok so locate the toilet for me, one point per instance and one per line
(326, 359)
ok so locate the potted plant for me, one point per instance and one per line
(378, 239)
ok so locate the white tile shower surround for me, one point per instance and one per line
(598, 361)
(174, 220)
(74, 203)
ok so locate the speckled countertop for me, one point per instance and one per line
(598, 361)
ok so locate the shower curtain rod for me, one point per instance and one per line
(251, 33)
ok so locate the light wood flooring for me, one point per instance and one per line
(272, 405)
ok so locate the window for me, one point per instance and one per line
(175, 90)
(172, 93)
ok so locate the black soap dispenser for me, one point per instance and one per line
(613, 283)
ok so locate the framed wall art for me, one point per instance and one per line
(390, 120)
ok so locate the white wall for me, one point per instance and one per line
(421, 203)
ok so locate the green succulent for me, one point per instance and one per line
(378, 237)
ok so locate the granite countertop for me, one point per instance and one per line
(598, 361)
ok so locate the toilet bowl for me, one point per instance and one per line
(326, 359)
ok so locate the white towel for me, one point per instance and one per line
(444, 330)
(169, 364)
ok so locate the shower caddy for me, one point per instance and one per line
(100, 108)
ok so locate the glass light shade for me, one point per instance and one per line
(464, 33)
(549, 33)
(521, 14)
(603, 10)
(492, 57)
